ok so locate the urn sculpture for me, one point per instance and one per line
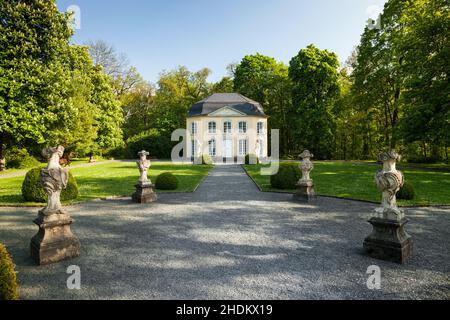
(144, 188)
(305, 186)
(389, 239)
(54, 241)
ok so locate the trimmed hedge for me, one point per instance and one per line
(33, 191)
(8, 280)
(406, 192)
(166, 181)
(287, 176)
(252, 157)
(158, 143)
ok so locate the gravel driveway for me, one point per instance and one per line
(230, 241)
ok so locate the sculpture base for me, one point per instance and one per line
(144, 193)
(54, 241)
(305, 191)
(389, 240)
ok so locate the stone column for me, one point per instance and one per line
(305, 186)
(144, 188)
(389, 240)
(54, 241)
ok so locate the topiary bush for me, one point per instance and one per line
(206, 159)
(287, 176)
(254, 159)
(8, 280)
(406, 192)
(33, 191)
(166, 181)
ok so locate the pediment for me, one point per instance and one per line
(226, 112)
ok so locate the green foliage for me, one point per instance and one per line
(406, 192)
(157, 142)
(20, 159)
(251, 159)
(166, 181)
(314, 75)
(33, 191)
(286, 177)
(8, 281)
(266, 81)
(206, 159)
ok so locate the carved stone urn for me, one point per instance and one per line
(144, 188)
(389, 240)
(305, 186)
(54, 241)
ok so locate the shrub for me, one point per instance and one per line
(287, 176)
(206, 159)
(20, 159)
(166, 181)
(33, 191)
(8, 280)
(406, 192)
(155, 141)
(254, 159)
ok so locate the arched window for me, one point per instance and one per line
(242, 127)
(194, 146)
(212, 147)
(212, 127)
(227, 127)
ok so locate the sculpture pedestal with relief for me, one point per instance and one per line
(389, 239)
(144, 188)
(54, 241)
(305, 186)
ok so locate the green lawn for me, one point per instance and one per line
(111, 179)
(356, 181)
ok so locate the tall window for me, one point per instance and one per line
(260, 128)
(243, 147)
(212, 147)
(227, 127)
(242, 127)
(194, 128)
(194, 147)
(212, 127)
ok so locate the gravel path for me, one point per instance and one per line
(230, 241)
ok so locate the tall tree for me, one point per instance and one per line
(265, 80)
(315, 89)
(426, 52)
(34, 38)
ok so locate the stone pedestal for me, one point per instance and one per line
(389, 240)
(144, 193)
(305, 191)
(54, 241)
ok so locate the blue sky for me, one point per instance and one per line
(161, 35)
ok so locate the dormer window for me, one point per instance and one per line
(212, 127)
(242, 127)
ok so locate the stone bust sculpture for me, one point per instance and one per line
(53, 179)
(143, 165)
(389, 181)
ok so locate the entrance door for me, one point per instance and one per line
(227, 148)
